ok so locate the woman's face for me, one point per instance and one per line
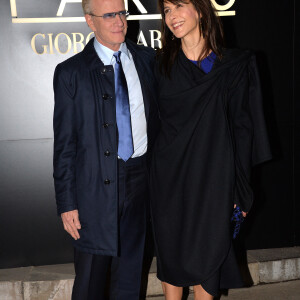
(182, 19)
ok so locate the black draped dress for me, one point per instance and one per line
(212, 133)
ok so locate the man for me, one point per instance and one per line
(105, 120)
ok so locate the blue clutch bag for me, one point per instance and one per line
(237, 219)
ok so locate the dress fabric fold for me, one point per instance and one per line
(212, 133)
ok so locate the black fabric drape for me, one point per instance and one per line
(212, 133)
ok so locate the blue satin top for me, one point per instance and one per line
(207, 63)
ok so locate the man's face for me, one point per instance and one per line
(109, 32)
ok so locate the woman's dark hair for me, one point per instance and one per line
(210, 27)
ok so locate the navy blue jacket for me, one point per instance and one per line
(85, 142)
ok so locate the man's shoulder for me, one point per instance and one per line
(140, 50)
(71, 62)
(79, 60)
(74, 62)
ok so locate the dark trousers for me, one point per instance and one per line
(123, 273)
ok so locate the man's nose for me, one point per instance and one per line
(119, 20)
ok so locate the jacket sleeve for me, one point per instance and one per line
(64, 141)
(248, 131)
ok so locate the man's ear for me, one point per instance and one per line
(89, 21)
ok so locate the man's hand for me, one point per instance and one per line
(71, 223)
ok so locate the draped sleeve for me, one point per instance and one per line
(248, 129)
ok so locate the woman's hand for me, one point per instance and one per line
(244, 213)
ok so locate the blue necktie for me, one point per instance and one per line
(125, 149)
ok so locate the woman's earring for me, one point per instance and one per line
(201, 29)
(173, 37)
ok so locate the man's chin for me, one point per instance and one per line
(119, 37)
(120, 41)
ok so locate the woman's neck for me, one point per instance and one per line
(192, 47)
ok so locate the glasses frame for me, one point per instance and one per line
(112, 15)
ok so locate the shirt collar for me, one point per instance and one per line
(106, 54)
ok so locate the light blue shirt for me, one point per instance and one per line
(136, 102)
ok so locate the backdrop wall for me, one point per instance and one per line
(38, 34)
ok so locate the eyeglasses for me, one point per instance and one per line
(111, 16)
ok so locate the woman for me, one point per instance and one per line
(212, 133)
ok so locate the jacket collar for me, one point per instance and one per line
(92, 59)
(93, 62)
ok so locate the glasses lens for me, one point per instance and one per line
(109, 16)
(123, 13)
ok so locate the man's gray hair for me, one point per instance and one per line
(86, 6)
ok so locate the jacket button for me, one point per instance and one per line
(105, 125)
(103, 70)
(105, 97)
(107, 153)
(106, 181)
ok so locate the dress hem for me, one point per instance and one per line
(199, 283)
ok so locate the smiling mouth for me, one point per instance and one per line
(177, 25)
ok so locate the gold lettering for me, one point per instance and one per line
(69, 42)
(33, 44)
(89, 37)
(141, 39)
(224, 6)
(50, 43)
(75, 42)
(157, 38)
(62, 5)
(63, 43)
(13, 8)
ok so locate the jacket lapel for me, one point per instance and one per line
(93, 62)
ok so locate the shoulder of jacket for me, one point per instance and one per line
(140, 50)
(71, 64)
